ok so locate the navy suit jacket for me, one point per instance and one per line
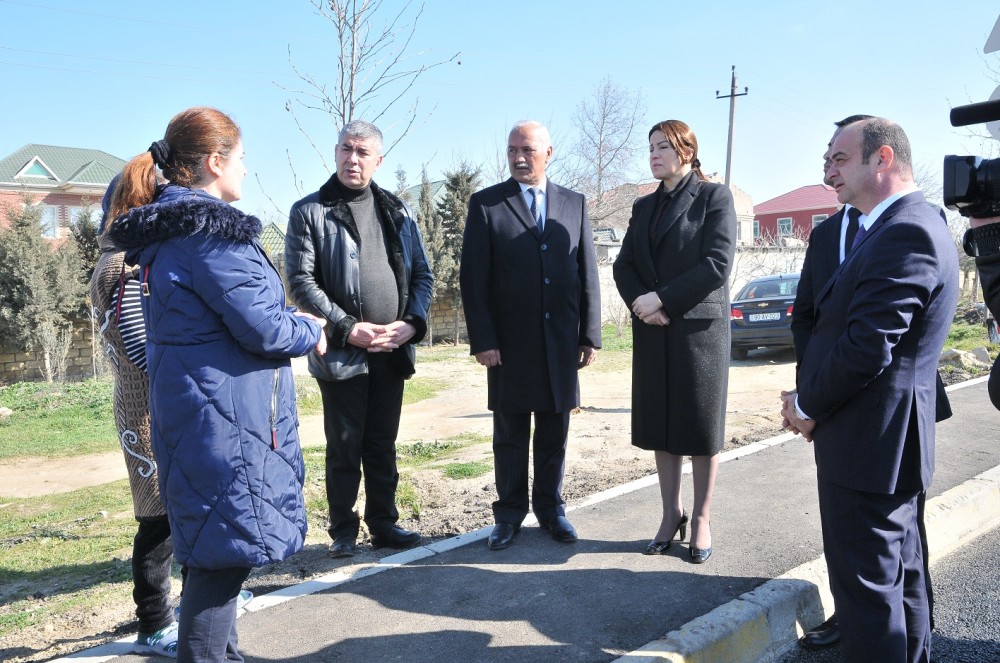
(533, 295)
(868, 373)
(821, 261)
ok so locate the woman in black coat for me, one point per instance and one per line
(673, 272)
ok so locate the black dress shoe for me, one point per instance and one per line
(699, 555)
(343, 546)
(825, 635)
(561, 530)
(395, 537)
(502, 535)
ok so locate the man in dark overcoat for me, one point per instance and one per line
(531, 296)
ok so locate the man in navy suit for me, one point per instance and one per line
(532, 304)
(829, 244)
(866, 393)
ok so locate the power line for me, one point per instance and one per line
(144, 62)
(198, 27)
(132, 75)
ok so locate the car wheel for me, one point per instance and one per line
(738, 353)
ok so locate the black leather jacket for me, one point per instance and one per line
(321, 260)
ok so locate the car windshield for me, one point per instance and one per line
(769, 288)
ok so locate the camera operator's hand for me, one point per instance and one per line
(976, 223)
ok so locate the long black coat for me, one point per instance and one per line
(680, 373)
(534, 296)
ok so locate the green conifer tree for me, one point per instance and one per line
(41, 287)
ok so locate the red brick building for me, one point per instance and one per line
(794, 214)
(65, 181)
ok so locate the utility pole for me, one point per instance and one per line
(732, 118)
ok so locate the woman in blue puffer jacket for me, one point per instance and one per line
(222, 396)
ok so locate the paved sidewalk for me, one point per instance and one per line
(600, 599)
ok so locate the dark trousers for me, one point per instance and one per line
(875, 560)
(152, 553)
(207, 627)
(511, 437)
(361, 420)
(924, 553)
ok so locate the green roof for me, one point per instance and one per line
(273, 240)
(67, 165)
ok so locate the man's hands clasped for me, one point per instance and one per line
(790, 419)
(381, 338)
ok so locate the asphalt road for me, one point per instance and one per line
(966, 610)
(600, 598)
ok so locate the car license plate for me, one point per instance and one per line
(763, 317)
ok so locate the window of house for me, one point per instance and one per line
(819, 218)
(36, 169)
(75, 213)
(785, 227)
(50, 221)
(756, 229)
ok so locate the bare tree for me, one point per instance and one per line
(373, 68)
(607, 143)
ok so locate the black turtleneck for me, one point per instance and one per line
(379, 297)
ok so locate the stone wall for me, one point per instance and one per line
(19, 366)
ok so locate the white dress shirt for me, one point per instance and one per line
(543, 199)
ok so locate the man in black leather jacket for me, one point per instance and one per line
(354, 256)
(982, 241)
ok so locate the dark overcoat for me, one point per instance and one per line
(680, 372)
(533, 295)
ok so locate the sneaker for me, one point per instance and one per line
(244, 599)
(162, 643)
(241, 602)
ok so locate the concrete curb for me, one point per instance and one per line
(762, 625)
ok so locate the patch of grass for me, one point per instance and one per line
(966, 336)
(427, 354)
(423, 453)
(77, 418)
(53, 420)
(418, 389)
(407, 499)
(308, 399)
(614, 342)
(467, 470)
(61, 551)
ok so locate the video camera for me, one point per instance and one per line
(972, 184)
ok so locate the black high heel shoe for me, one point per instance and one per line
(661, 547)
(699, 555)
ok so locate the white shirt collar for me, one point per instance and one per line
(540, 186)
(868, 221)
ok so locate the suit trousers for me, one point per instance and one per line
(875, 559)
(511, 437)
(207, 629)
(361, 420)
(152, 554)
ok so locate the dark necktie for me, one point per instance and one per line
(862, 231)
(853, 218)
(535, 213)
